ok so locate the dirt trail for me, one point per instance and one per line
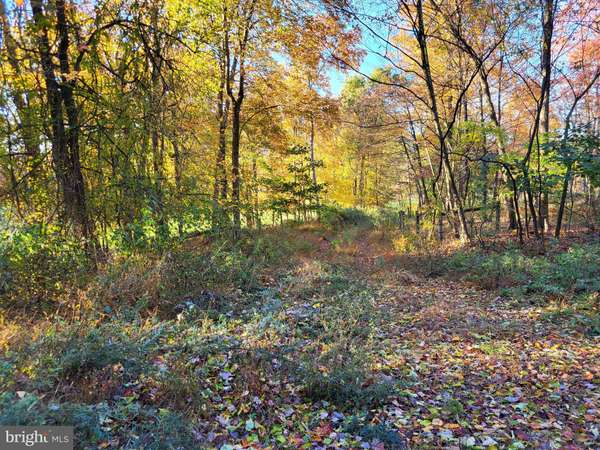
(488, 371)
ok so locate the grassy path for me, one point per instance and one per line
(480, 370)
(341, 344)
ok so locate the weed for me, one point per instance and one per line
(575, 270)
(39, 268)
(334, 217)
(454, 408)
(346, 387)
(380, 432)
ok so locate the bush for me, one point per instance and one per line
(347, 387)
(98, 348)
(123, 424)
(39, 267)
(181, 275)
(335, 217)
(340, 373)
(380, 432)
(75, 352)
(394, 218)
(576, 270)
(582, 312)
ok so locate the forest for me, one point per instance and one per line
(301, 224)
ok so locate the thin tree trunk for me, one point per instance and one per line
(546, 66)
(456, 202)
(313, 167)
(177, 163)
(235, 163)
(544, 208)
(220, 182)
(31, 139)
(563, 199)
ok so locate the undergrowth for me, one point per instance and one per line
(567, 282)
(576, 270)
(211, 340)
(171, 341)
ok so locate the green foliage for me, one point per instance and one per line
(473, 136)
(391, 218)
(592, 324)
(336, 217)
(579, 152)
(347, 387)
(226, 265)
(188, 271)
(380, 432)
(353, 88)
(454, 408)
(38, 265)
(295, 193)
(72, 352)
(575, 270)
(106, 345)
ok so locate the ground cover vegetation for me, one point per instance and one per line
(328, 224)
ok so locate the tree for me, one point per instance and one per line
(64, 134)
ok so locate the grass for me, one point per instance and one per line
(278, 340)
(565, 282)
(559, 274)
(164, 342)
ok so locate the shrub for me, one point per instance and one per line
(98, 348)
(335, 217)
(123, 424)
(67, 351)
(394, 218)
(408, 243)
(380, 432)
(340, 373)
(577, 269)
(38, 267)
(347, 387)
(582, 312)
(182, 274)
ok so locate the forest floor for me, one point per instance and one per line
(350, 343)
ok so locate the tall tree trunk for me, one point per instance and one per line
(157, 121)
(563, 199)
(235, 162)
(544, 201)
(419, 167)
(220, 182)
(177, 163)
(456, 202)
(64, 142)
(77, 185)
(549, 8)
(496, 201)
(361, 181)
(313, 167)
(257, 217)
(235, 63)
